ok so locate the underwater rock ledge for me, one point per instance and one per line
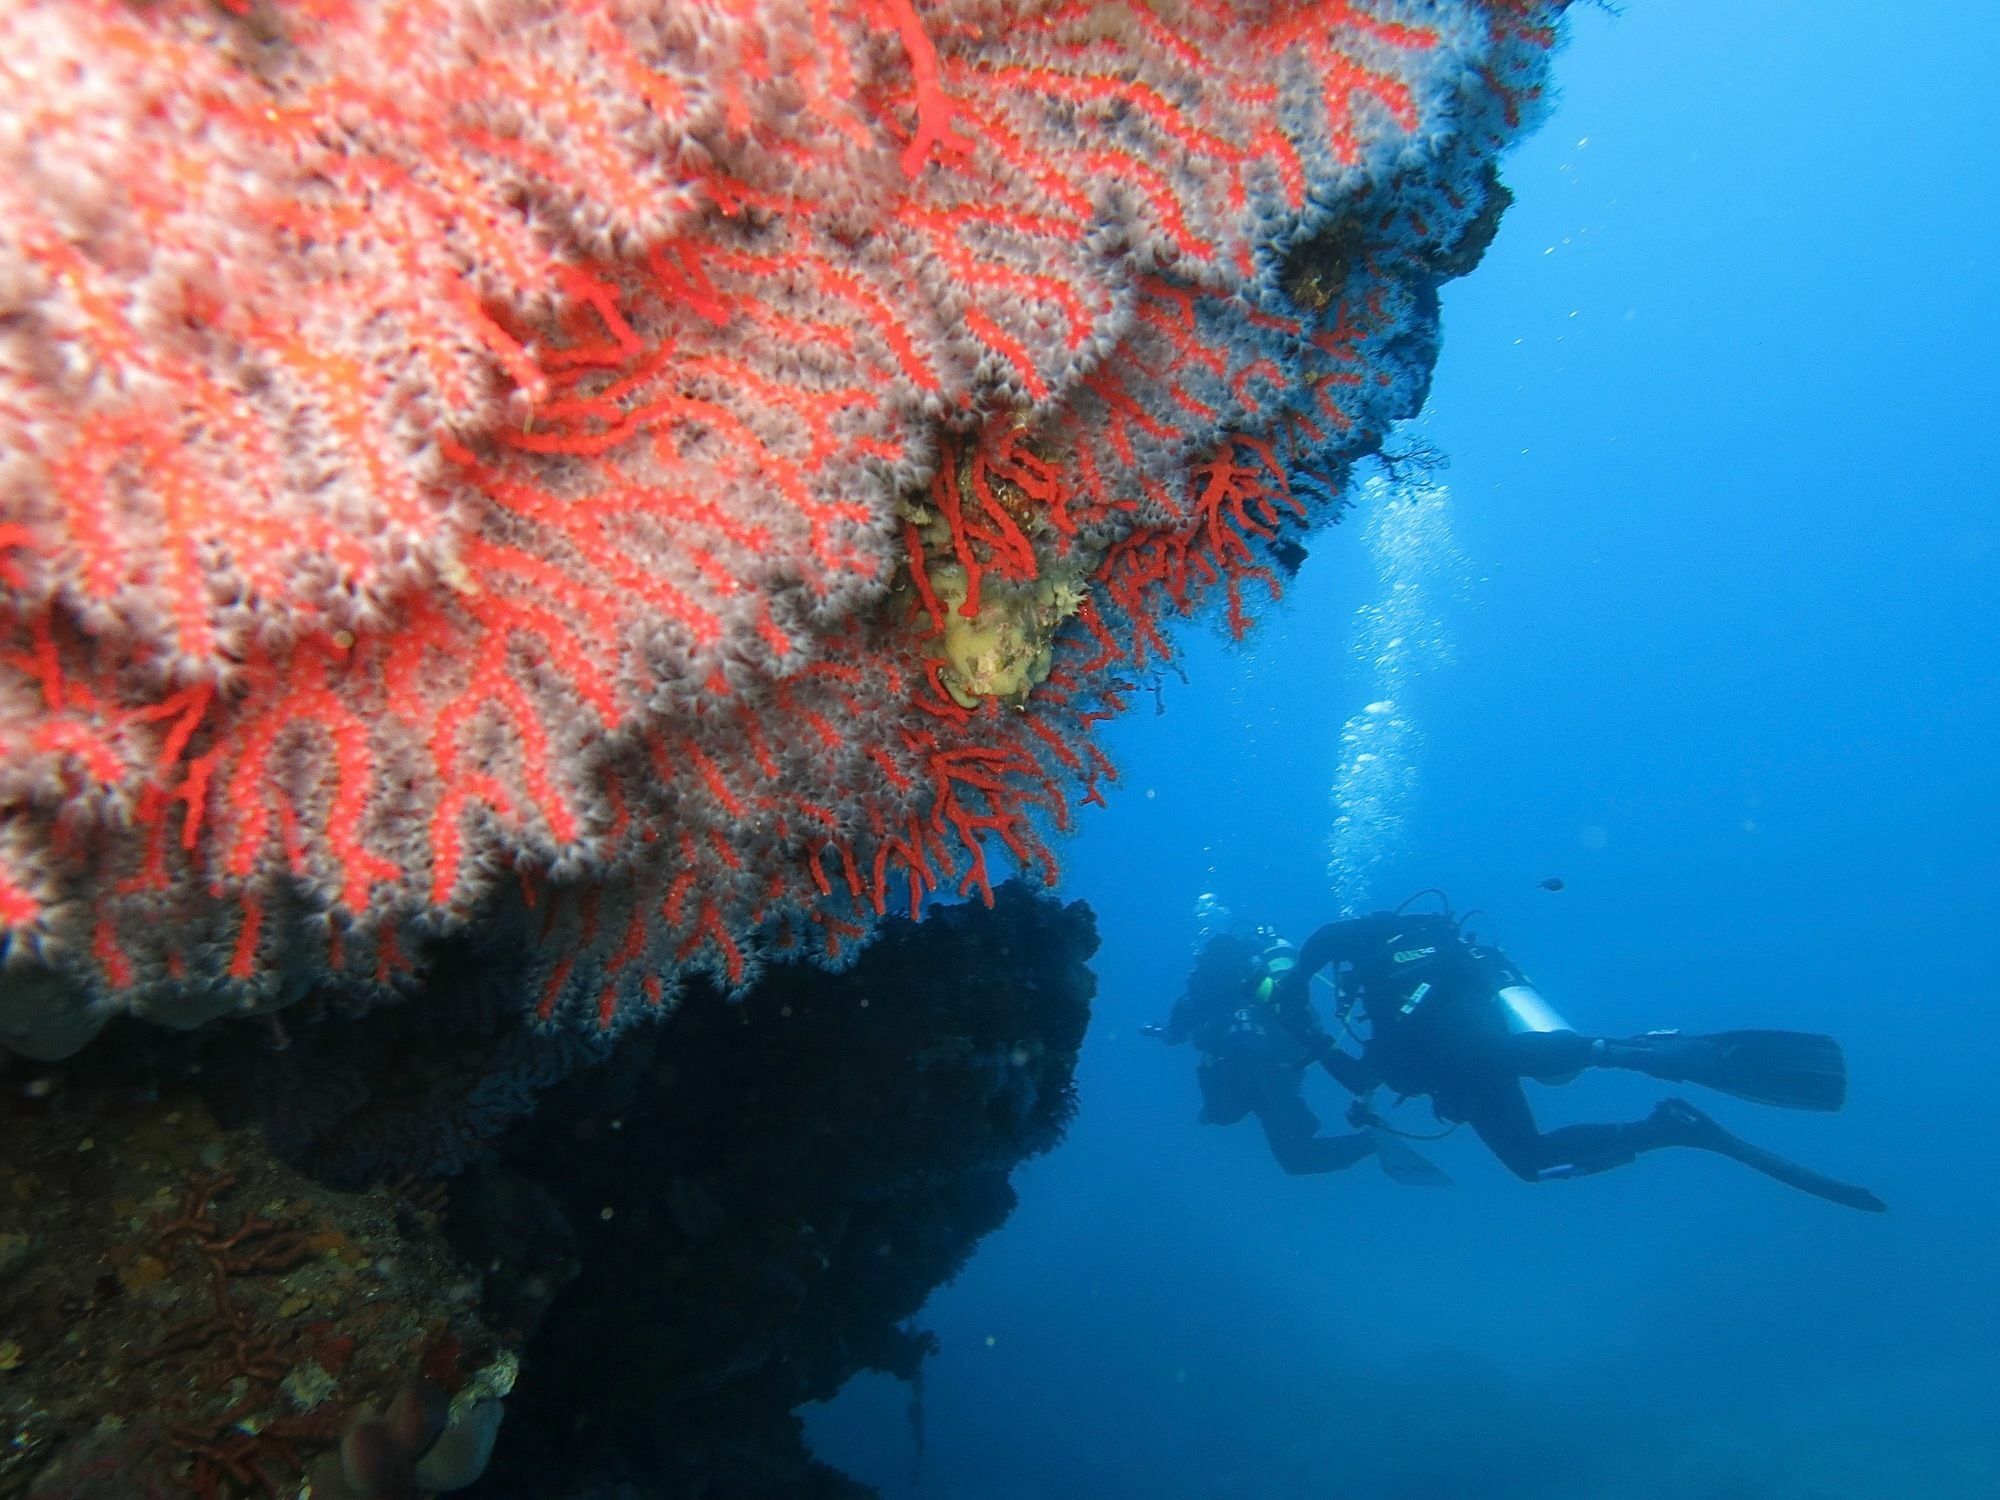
(646, 1263)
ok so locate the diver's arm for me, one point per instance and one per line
(1350, 1072)
(1335, 943)
(1296, 1014)
(1338, 942)
(1180, 1025)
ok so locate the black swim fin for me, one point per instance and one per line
(1791, 1069)
(1401, 1162)
(1698, 1130)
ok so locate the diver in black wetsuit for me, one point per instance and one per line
(1455, 1020)
(1250, 1063)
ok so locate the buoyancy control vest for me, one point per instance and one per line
(1428, 993)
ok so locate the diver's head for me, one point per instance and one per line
(1229, 947)
(1276, 959)
(1278, 956)
(1223, 960)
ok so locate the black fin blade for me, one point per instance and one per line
(1805, 1179)
(1401, 1162)
(1789, 1069)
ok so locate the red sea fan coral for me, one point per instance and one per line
(694, 470)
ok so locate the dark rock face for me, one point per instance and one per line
(763, 1192)
(677, 1239)
(181, 1315)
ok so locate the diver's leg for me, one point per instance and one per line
(1789, 1069)
(1291, 1130)
(1224, 1099)
(1545, 1056)
(1581, 1150)
(1493, 1103)
(1304, 1156)
(1666, 1055)
(1694, 1128)
(1497, 1109)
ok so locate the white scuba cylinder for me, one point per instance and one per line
(1528, 1011)
(1528, 1014)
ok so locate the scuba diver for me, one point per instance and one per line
(1454, 1019)
(1252, 1064)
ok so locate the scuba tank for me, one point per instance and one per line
(1523, 1006)
(1276, 960)
(1527, 1011)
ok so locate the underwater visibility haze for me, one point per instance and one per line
(1708, 637)
(697, 702)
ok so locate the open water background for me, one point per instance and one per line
(1721, 413)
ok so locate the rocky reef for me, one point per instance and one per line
(433, 1246)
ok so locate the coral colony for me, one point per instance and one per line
(687, 477)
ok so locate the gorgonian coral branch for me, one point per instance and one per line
(694, 472)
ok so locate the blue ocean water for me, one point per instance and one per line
(1703, 626)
